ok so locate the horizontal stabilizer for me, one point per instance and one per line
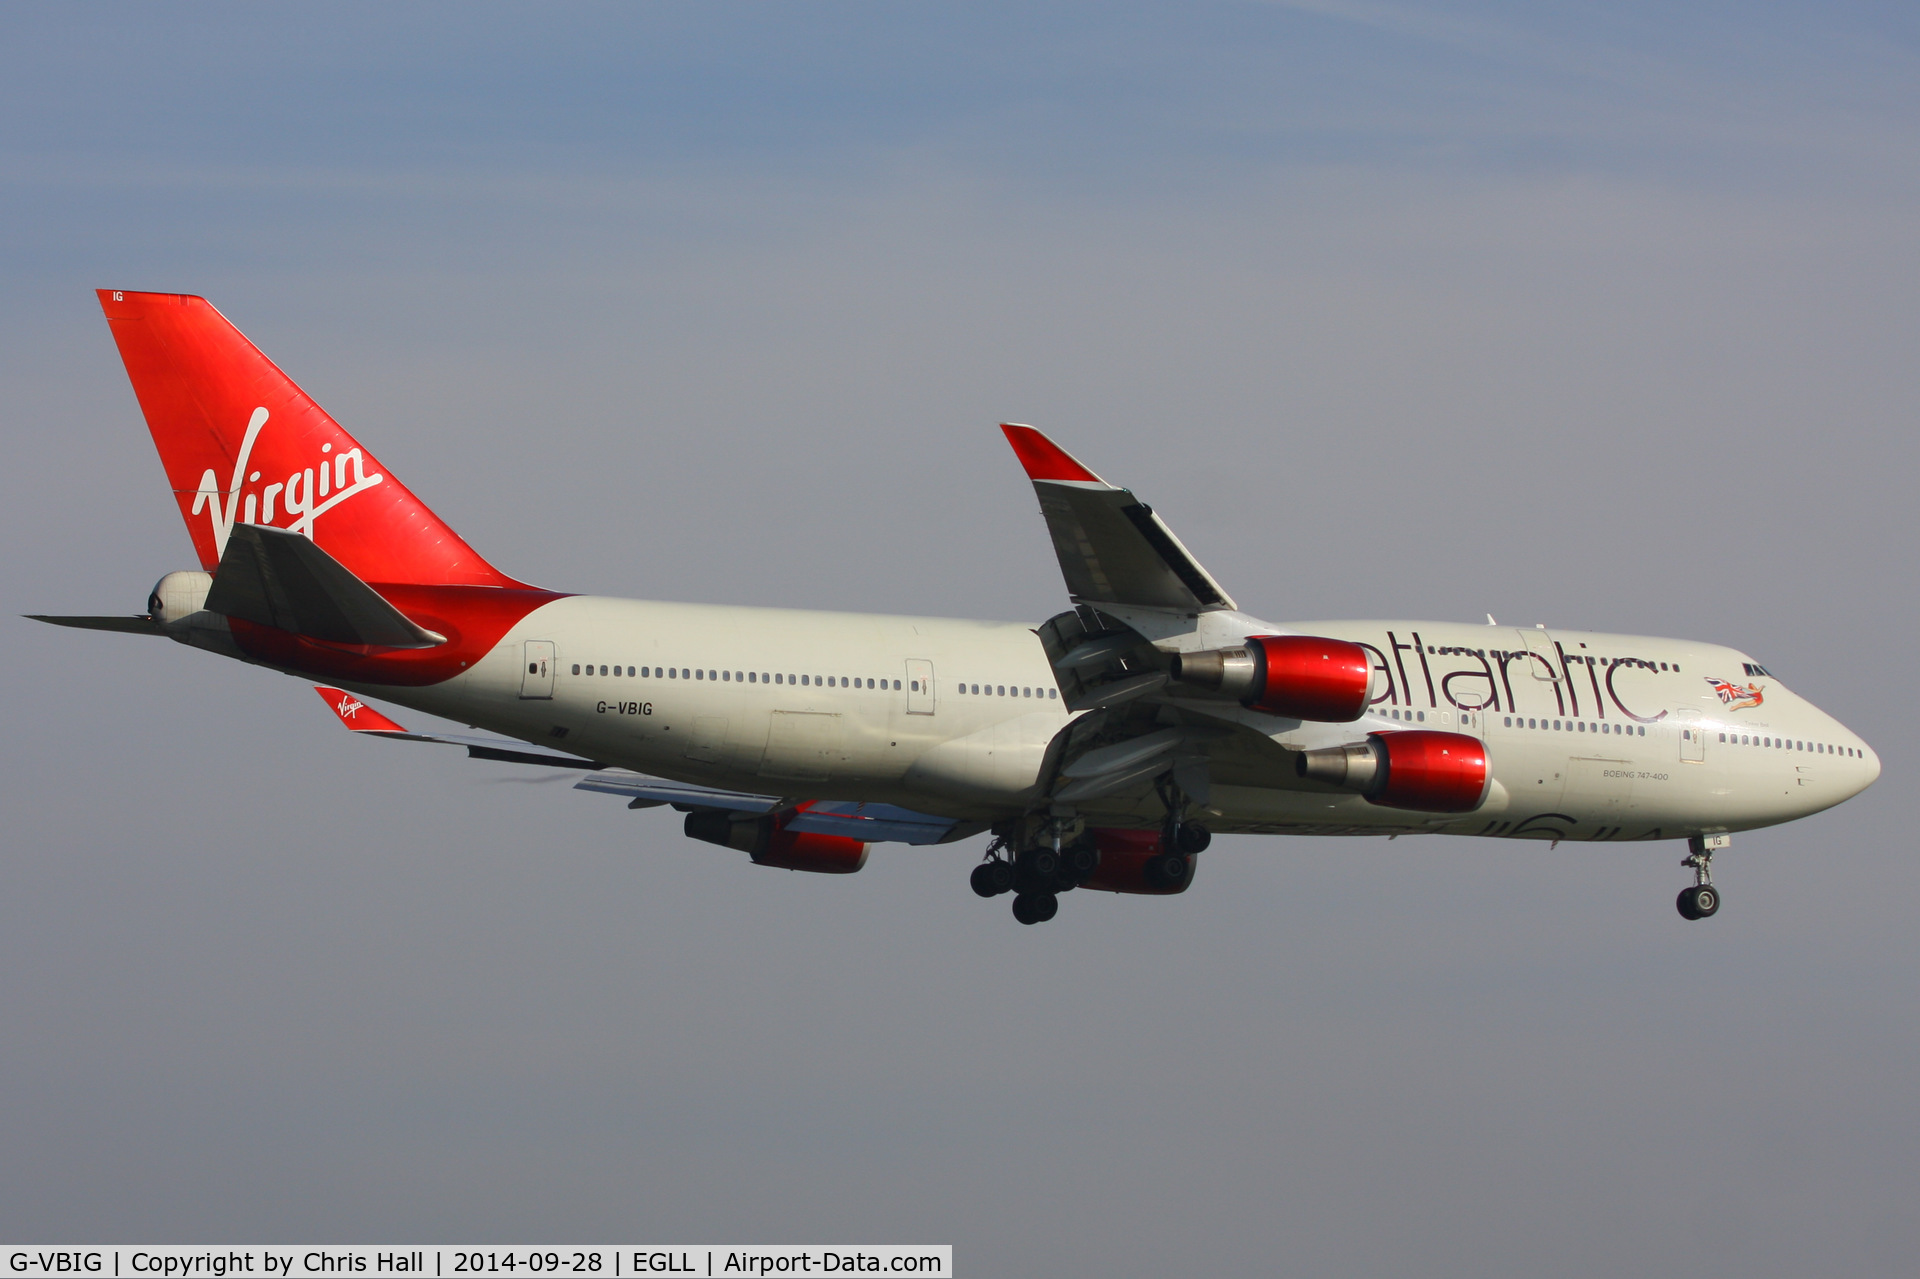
(362, 718)
(275, 578)
(137, 625)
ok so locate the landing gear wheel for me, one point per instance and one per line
(1701, 901)
(1079, 861)
(990, 879)
(1042, 863)
(1191, 837)
(1168, 870)
(1035, 908)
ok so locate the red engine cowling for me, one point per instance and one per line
(1421, 769)
(1298, 676)
(766, 841)
(1124, 863)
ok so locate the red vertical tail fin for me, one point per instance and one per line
(243, 445)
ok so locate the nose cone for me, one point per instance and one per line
(1872, 771)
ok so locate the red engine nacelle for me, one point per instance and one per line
(1126, 858)
(1422, 770)
(766, 840)
(1298, 676)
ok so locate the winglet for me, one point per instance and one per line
(354, 713)
(1044, 459)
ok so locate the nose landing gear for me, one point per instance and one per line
(1702, 899)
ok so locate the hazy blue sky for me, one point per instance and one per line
(1597, 315)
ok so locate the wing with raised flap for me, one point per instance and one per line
(1112, 548)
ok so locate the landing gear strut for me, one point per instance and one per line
(1178, 835)
(1702, 899)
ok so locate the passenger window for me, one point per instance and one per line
(576, 668)
(803, 679)
(896, 686)
(603, 670)
(1052, 693)
(914, 685)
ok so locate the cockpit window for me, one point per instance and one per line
(1754, 669)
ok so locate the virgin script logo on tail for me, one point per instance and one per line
(305, 495)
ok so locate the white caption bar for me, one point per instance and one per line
(705, 1261)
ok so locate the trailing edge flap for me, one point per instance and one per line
(871, 823)
(657, 790)
(274, 577)
(1112, 548)
(868, 823)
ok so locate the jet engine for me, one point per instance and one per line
(1422, 770)
(1298, 676)
(765, 840)
(1135, 861)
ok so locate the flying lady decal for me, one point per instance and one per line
(1736, 697)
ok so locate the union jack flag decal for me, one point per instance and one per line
(1736, 697)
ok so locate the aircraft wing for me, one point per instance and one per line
(872, 823)
(854, 819)
(649, 792)
(1113, 549)
(869, 823)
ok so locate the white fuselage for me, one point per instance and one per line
(1590, 736)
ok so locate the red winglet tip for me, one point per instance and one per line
(1044, 459)
(354, 713)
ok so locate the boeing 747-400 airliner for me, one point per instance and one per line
(1100, 748)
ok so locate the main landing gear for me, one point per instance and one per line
(1036, 876)
(1702, 899)
(1055, 860)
